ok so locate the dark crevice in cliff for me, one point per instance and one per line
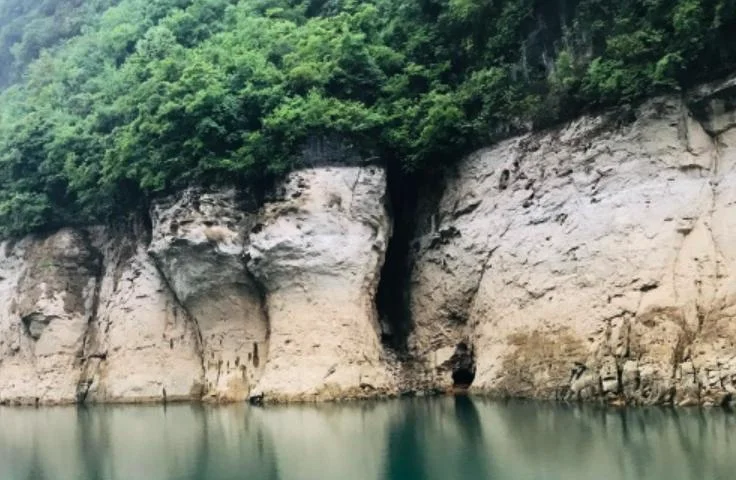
(145, 225)
(262, 293)
(89, 356)
(392, 299)
(256, 398)
(412, 198)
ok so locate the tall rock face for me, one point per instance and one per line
(221, 299)
(595, 260)
(48, 292)
(198, 243)
(142, 345)
(87, 317)
(318, 250)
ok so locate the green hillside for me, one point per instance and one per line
(107, 103)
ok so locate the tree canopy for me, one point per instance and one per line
(108, 103)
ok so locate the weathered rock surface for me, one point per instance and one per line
(127, 315)
(596, 260)
(198, 243)
(318, 249)
(48, 292)
(142, 345)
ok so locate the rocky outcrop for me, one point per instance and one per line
(223, 299)
(48, 289)
(198, 243)
(593, 261)
(88, 318)
(317, 250)
(142, 346)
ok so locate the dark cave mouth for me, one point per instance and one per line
(392, 302)
(462, 378)
(463, 367)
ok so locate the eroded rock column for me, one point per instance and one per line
(142, 345)
(317, 250)
(198, 242)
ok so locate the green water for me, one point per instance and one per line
(440, 438)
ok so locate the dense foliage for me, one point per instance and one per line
(28, 27)
(115, 102)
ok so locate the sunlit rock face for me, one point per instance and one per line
(87, 317)
(220, 298)
(143, 346)
(595, 260)
(318, 250)
(282, 294)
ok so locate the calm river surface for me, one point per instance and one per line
(434, 438)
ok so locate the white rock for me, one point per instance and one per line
(144, 346)
(318, 252)
(48, 289)
(593, 243)
(198, 244)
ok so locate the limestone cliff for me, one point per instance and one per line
(318, 251)
(198, 244)
(223, 299)
(593, 261)
(141, 345)
(48, 288)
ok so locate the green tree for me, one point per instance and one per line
(106, 104)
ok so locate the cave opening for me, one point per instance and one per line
(411, 200)
(392, 299)
(463, 378)
(463, 366)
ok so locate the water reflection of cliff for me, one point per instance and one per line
(124, 443)
(429, 439)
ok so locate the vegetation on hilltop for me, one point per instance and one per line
(113, 102)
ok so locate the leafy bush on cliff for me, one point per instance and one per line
(119, 101)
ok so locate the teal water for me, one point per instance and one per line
(425, 438)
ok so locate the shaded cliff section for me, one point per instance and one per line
(220, 298)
